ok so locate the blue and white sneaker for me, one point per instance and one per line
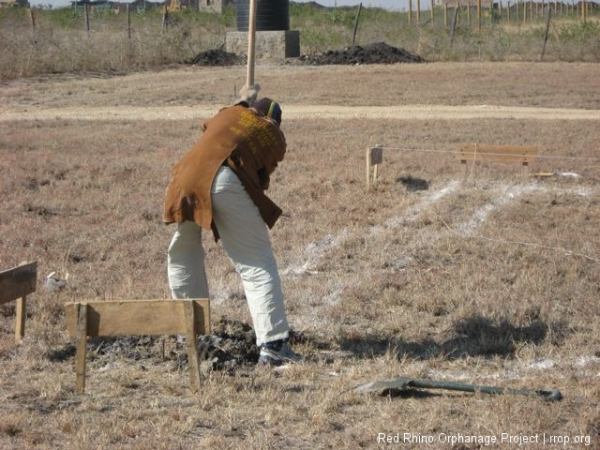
(277, 353)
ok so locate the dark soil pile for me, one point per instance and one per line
(377, 53)
(232, 345)
(217, 57)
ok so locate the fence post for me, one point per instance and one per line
(446, 15)
(87, 18)
(32, 17)
(356, 23)
(164, 20)
(81, 344)
(373, 160)
(531, 11)
(128, 22)
(433, 14)
(454, 20)
(546, 32)
(468, 6)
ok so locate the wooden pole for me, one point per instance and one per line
(531, 11)
(356, 23)
(20, 321)
(546, 32)
(81, 346)
(164, 19)
(432, 13)
(192, 350)
(446, 15)
(409, 12)
(128, 22)
(508, 12)
(87, 19)
(32, 17)
(251, 44)
(418, 13)
(454, 20)
(479, 16)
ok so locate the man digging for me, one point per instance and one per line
(220, 184)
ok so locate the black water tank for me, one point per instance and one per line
(271, 15)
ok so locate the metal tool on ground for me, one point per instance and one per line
(404, 383)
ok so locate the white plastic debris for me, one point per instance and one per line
(54, 284)
(568, 175)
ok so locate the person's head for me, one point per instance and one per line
(268, 108)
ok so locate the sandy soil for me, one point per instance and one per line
(401, 91)
(408, 112)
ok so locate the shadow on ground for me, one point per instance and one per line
(233, 345)
(473, 336)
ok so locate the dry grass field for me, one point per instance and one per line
(487, 274)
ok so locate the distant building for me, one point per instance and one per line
(200, 5)
(13, 3)
(484, 3)
(102, 5)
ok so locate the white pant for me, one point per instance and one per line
(246, 240)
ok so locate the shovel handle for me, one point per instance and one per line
(251, 44)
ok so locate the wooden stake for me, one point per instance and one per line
(546, 31)
(81, 346)
(87, 19)
(356, 23)
(192, 350)
(454, 21)
(374, 159)
(20, 321)
(128, 22)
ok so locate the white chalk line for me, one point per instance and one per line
(318, 250)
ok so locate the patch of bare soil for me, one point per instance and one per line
(376, 53)
(231, 346)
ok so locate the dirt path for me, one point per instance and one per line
(406, 112)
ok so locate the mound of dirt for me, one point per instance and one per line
(217, 57)
(377, 53)
(232, 345)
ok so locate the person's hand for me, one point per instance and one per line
(248, 94)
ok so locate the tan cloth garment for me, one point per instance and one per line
(251, 144)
